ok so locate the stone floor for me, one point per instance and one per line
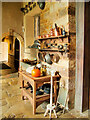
(4, 72)
(13, 106)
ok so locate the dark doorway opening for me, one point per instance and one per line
(17, 54)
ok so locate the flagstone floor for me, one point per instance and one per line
(13, 106)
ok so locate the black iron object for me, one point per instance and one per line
(28, 7)
(41, 5)
(34, 5)
(23, 10)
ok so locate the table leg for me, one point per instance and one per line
(34, 98)
(22, 97)
(22, 86)
(21, 80)
(22, 83)
(55, 92)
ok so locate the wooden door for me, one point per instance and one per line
(86, 69)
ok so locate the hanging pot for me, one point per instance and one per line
(48, 58)
(41, 5)
(55, 58)
(40, 56)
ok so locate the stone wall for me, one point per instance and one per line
(72, 57)
(10, 41)
(54, 12)
(62, 13)
(11, 60)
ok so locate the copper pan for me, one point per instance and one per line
(55, 58)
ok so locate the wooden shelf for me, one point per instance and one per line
(52, 50)
(27, 94)
(53, 37)
(38, 97)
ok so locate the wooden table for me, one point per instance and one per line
(35, 83)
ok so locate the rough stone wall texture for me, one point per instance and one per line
(11, 60)
(72, 57)
(9, 40)
(54, 12)
(62, 13)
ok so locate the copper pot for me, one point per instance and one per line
(47, 35)
(56, 33)
(44, 36)
(55, 58)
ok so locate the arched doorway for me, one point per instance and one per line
(18, 43)
(16, 54)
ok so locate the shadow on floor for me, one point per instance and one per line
(5, 69)
(4, 66)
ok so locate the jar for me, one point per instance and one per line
(44, 36)
(52, 32)
(60, 31)
(47, 35)
(56, 32)
(63, 31)
(39, 36)
(41, 69)
(44, 70)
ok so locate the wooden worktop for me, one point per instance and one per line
(37, 78)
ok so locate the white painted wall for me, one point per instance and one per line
(12, 17)
(29, 30)
(3, 51)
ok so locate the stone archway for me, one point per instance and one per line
(21, 41)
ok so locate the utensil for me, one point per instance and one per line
(60, 46)
(65, 47)
(40, 56)
(41, 5)
(48, 58)
(56, 58)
